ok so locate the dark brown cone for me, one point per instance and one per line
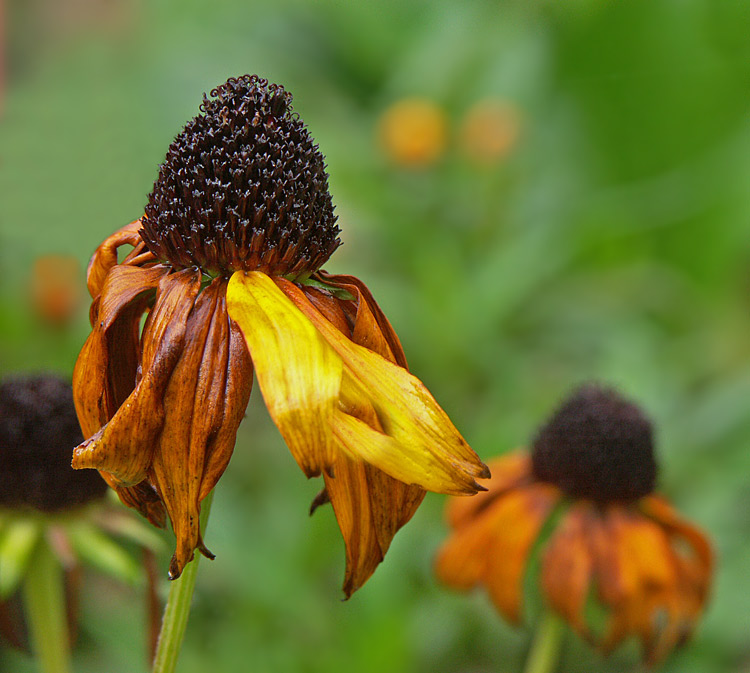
(243, 187)
(598, 446)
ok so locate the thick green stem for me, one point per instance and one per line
(545, 648)
(178, 607)
(44, 597)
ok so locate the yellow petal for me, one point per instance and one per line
(302, 360)
(299, 374)
(419, 444)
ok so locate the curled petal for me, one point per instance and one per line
(99, 389)
(370, 507)
(416, 431)
(199, 431)
(123, 447)
(699, 565)
(233, 401)
(105, 257)
(639, 582)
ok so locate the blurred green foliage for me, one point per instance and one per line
(610, 242)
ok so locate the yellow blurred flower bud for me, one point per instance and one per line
(413, 132)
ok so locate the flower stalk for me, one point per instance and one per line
(544, 654)
(44, 596)
(177, 611)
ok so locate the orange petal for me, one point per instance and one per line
(525, 510)
(123, 447)
(105, 257)
(639, 581)
(370, 507)
(462, 560)
(508, 472)
(567, 566)
(99, 388)
(700, 565)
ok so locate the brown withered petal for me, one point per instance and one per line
(124, 446)
(177, 428)
(206, 398)
(105, 257)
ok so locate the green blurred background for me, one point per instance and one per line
(608, 240)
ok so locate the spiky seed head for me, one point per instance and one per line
(243, 187)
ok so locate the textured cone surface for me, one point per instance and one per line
(243, 187)
(38, 431)
(597, 445)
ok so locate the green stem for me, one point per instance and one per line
(177, 611)
(545, 648)
(44, 597)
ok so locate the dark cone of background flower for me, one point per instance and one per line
(243, 187)
(38, 431)
(597, 446)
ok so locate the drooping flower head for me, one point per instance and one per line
(615, 540)
(226, 265)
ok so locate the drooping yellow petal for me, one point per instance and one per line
(316, 383)
(299, 374)
(419, 444)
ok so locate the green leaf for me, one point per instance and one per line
(94, 547)
(17, 540)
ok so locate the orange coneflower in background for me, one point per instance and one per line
(55, 288)
(226, 263)
(615, 540)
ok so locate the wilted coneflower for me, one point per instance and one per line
(226, 263)
(615, 541)
(53, 520)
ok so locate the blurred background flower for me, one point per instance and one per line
(616, 560)
(610, 242)
(56, 288)
(413, 132)
(55, 523)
